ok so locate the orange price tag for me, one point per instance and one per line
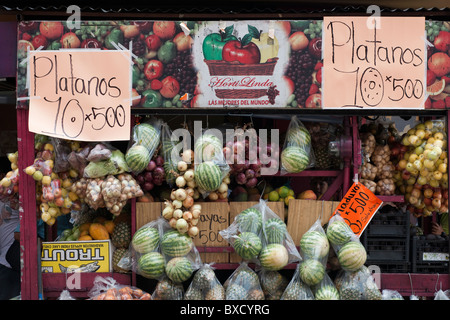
(358, 207)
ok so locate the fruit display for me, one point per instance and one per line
(205, 286)
(438, 65)
(423, 177)
(243, 284)
(9, 184)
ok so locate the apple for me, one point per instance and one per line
(234, 50)
(183, 42)
(39, 40)
(130, 31)
(442, 41)
(153, 69)
(315, 47)
(439, 63)
(170, 87)
(164, 29)
(70, 40)
(52, 30)
(298, 41)
(314, 101)
(153, 42)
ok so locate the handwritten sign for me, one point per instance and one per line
(80, 94)
(358, 207)
(370, 66)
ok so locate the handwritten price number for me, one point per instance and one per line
(211, 235)
(372, 87)
(73, 126)
(357, 206)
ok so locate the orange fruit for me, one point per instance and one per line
(436, 88)
(109, 225)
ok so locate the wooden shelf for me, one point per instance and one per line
(308, 173)
(396, 198)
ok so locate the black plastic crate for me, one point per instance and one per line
(386, 249)
(389, 267)
(429, 255)
(389, 223)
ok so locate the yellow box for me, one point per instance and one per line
(76, 256)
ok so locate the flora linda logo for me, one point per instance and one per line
(237, 147)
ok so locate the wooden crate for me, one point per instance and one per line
(146, 212)
(214, 218)
(238, 207)
(304, 213)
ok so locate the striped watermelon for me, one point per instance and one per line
(314, 244)
(298, 136)
(247, 245)
(146, 239)
(208, 147)
(352, 256)
(137, 158)
(275, 230)
(339, 232)
(208, 176)
(274, 257)
(312, 271)
(151, 265)
(294, 159)
(327, 292)
(249, 220)
(175, 244)
(147, 135)
(179, 269)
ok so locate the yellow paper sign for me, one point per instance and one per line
(358, 207)
(80, 94)
(381, 64)
(76, 256)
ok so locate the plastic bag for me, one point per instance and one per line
(258, 232)
(65, 295)
(9, 185)
(388, 294)
(98, 153)
(109, 289)
(357, 285)
(325, 289)
(243, 284)
(297, 289)
(94, 196)
(145, 140)
(78, 159)
(273, 284)
(205, 285)
(166, 289)
(297, 154)
(170, 153)
(442, 295)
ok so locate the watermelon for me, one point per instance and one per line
(339, 232)
(179, 269)
(147, 135)
(314, 244)
(275, 230)
(137, 158)
(175, 244)
(352, 256)
(294, 159)
(274, 257)
(208, 147)
(146, 239)
(151, 265)
(247, 245)
(327, 292)
(312, 271)
(299, 137)
(249, 220)
(208, 176)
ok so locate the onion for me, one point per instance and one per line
(187, 215)
(182, 166)
(223, 195)
(159, 160)
(241, 178)
(187, 156)
(193, 231)
(190, 191)
(178, 213)
(180, 194)
(189, 175)
(182, 225)
(177, 204)
(151, 166)
(226, 180)
(180, 182)
(173, 223)
(197, 207)
(194, 222)
(196, 195)
(213, 196)
(188, 202)
(167, 213)
(191, 184)
(196, 214)
(223, 187)
(251, 183)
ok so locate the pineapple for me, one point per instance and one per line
(236, 292)
(255, 294)
(117, 255)
(297, 291)
(272, 283)
(193, 294)
(168, 290)
(121, 235)
(216, 293)
(204, 278)
(371, 290)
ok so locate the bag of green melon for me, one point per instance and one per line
(297, 153)
(146, 138)
(210, 165)
(259, 235)
(325, 289)
(349, 250)
(205, 285)
(297, 289)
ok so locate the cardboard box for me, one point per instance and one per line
(76, 256)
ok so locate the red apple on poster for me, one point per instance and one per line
(153, 42)
(153, 69)
(170, 87)
(314, 101)
(246, 54)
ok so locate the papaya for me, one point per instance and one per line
(98, 231)
(85, 237)
(109, 225)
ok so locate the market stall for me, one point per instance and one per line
(233, 142)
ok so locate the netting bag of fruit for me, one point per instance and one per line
(273, 284)
(297, 289)
(166, 289)
(146, 138)
(205, 285)
(325, 289)
(109, 289)
(243, 284)
(62, 150)
(297, 153)
(357, 285)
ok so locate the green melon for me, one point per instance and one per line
(249, 220)
(208, 176)
(294, 159)
(312, 271)
(146, 239)
(151, 265)
(327, 292)
(147, 135)
(175, 244)
(137, 158)
(352, 256)
(339, 232)
(179, 269)
(275, 230)
(247, 245)
(314, 244)
(299, 137)
(274, 257)
(208, 147)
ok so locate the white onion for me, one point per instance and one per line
(180, 182)
(193, 231)
(180, 194)
(178, 213)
